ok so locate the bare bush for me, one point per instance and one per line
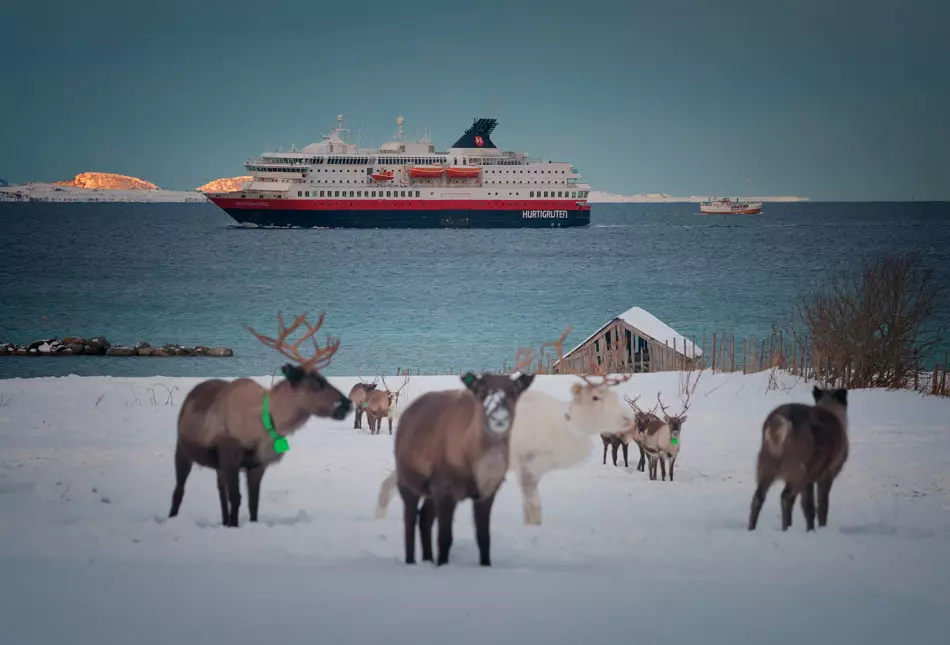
(873, 327)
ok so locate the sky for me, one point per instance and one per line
(826, 99)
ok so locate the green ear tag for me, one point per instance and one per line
(674, 440)
(281, 445)
(468, 379)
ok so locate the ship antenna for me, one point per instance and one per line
(399, 122)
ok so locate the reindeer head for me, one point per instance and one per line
(641, 417)
(676, 421)
(595, 407)
(394, 396)
(498, 394)
(369, 387)
(315, 394)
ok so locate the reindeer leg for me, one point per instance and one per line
(426, 519)
(390, 417)
(625, 464)
(229, 463)
(223, 496)
(824, 493)
(481, 509)
(254, 475)
(614, 444)
(606, 442)
(356, 417)
(808, 506)
(788, 501)
(642, 457)
(765, 480)
(531, 500)
(662, 459)
(445, 510)
(672, 461)
(182, 470)
(410, 502)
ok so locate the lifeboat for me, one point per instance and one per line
(426, 172)
(383, 175)
(460, 172)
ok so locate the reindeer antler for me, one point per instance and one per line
(322, 355)
(605, 380)
(523, 358)
(633, 403)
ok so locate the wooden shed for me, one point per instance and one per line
(634, 341)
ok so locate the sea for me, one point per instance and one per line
(435, 301)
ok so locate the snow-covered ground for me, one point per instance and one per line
(88, 555)
(600, 197)
(47, 192)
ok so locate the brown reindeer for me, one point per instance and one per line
(803, 445)
(633, 434)
(452, 445)
(380, 404)
(661, 437)
(358, 395)
(230, 426)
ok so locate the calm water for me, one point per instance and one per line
(434, 300)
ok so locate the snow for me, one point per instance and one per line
(86, 477)
(47, 192)
(601, 197)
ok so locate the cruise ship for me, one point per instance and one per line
(407, 184)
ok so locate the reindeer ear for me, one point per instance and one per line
(292, 373)
(470, 380)
(683, 420)
(841, 395)
(816, 393)
(524, 381)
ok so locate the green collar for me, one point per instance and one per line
(280, 443)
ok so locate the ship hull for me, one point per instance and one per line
(285, 214)
(726, 211)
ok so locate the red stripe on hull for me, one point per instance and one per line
(358, 204)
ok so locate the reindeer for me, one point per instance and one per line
(661, 437)
(629, 434)
(358, 394)
(452, 445)
(240, 425)
(803, 445)
(549, 434)
(380, 404)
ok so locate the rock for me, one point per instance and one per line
(143, 351)
(66, 351)
(37, 343)
(73, 340)
(99, 341)
(220, 352)
(76, 348)
(158, 352)
(201, 350)
(118, 350)
(7, 349)
(142, 345)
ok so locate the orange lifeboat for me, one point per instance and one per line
(426, 172)
(461, 172)
(383, 175)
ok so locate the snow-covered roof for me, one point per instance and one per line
(652, 327)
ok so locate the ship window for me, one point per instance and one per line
(403, 194)
(299, 194)
(351, 193)
(336, 194)
(306, 193)
(532, 193)
(573, 194)
(321, 193)
(388, 194)
(559, 194)
(545, 193)
(417, 193)
(359, 193)
(374, 193)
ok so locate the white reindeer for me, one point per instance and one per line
(551, 434)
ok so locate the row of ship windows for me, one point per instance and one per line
(457, 182)
(402, 193)
(362, 161)
(370, 170)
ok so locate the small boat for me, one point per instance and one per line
(426, 172)
(461, 172)
(726, 206)
(383, 175)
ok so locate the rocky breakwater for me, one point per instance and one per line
(99, 346)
